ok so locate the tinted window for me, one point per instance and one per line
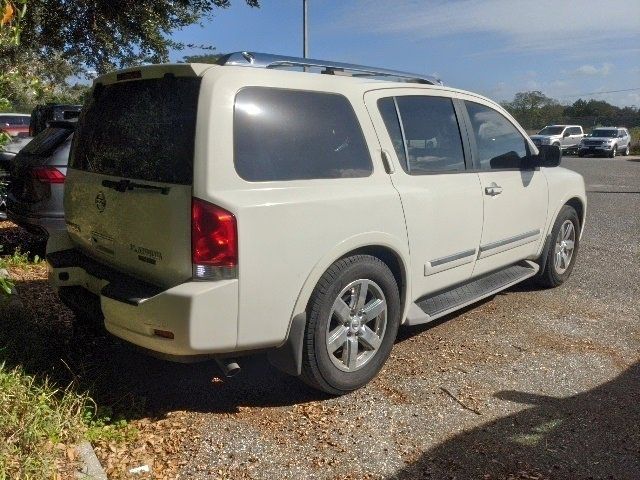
(387, 107)
(431, 133)
(551, 131)
(574, 131)
(46, 141)
(14, 120)
(142, 129)
(499, 143)
(294, 135)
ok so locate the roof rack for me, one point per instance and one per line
(266, 60)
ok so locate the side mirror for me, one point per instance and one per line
(549, 156)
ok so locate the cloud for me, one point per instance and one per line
(592, 70)
(560, 28)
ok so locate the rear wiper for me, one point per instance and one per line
(124, 185)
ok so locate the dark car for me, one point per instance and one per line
(36, 184)
(41, 115)
(7, 155)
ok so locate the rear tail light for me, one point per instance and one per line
(214, 242)
(47, 174)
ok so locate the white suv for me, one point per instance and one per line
(217, 210)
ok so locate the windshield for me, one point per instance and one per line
(143, 129)
(551, 131)
(604, 133)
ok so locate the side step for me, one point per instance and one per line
(432, 307)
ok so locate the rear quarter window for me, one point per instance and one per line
(297, 135)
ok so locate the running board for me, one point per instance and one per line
(430, 308)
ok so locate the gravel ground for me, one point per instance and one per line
(529, 384)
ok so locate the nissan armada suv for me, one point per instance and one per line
(218, 210)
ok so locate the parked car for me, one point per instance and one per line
(606, 141)
(36, 185)
(41, 115)
(7, 154)
(14, 123)
(567, 137)
(211, 212)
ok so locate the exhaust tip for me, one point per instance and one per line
(229, 366)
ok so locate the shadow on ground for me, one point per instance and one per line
(47, 340)
(595, 434)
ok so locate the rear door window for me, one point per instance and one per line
(143, 129)
(297, 135)
(431, 134)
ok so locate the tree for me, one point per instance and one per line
(534, 109)
(103, 34)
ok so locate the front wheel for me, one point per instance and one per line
(353, 319)
(557, 265)
(613, 152)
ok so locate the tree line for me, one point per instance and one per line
(534, 110)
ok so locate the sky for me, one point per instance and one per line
(566, 49)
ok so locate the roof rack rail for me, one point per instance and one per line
(266, 60)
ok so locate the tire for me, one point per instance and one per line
(580, 154)
(626, 151)
(554, 270)
(613, 152)
(329, 366)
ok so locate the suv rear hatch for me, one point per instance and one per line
(129, 183)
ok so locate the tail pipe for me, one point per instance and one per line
(229, 366)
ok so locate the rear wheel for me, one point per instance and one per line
(353, 319)
(626, 150)
(557, 265)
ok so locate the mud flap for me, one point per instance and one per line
(288, 357)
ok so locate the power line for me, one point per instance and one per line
(598, 93)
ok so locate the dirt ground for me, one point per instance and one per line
(530, 384)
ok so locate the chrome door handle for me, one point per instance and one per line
(493, 190)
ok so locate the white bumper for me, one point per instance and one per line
(202, 316)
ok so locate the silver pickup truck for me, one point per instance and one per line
(567, 137)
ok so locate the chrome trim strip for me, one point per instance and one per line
(506, 241)
(451, 258)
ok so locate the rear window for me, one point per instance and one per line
(295, 135)
(46, 141)
(141, 129)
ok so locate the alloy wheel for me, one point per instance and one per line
(356, 325)
(565, 243)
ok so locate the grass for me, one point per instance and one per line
(40, 421)
(16, 259)
(38, 424)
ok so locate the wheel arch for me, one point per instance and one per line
(579, 207)
(392, 251)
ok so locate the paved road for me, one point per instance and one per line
(530, 384)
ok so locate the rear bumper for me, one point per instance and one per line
(202, 316)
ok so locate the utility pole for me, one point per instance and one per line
(305, 38)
